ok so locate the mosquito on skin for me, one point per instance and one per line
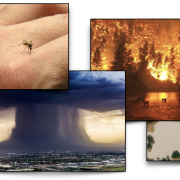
(27, 44)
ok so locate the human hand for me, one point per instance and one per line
(47, 65)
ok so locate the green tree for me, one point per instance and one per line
(151, 159)
(150, 139)
(163, 159)
(149, 146)
(175, 154)
(168, 158)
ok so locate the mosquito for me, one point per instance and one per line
(27, 44)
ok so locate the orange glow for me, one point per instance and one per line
(159, 32)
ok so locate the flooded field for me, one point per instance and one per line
(157, 109)
(166, 135)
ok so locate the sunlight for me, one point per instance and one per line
(105, 127)
(7, 123)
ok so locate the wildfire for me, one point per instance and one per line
(162, 73)
(153, 31)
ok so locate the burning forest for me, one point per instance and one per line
(149, 51)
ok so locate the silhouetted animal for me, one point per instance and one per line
(164, 99)
(146, 103)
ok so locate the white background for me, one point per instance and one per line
(80, 14)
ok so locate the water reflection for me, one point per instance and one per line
(157, 110)
(158, 96)
(7, 123)
(166, 135)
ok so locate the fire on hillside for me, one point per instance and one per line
(141, 45)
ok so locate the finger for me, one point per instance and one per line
(19, 13)
(52, 58)
(63, 8)
(40, 31)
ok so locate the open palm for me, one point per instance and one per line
(46, 25)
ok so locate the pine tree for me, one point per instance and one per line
(116, 37)
(166, 59)
(129, 62)
(103, 43)
(172, 57)
(120, 54)
(130, 28)
(92, 43)
(158, 59)
(143, 52)
(152, 52)
(97, 59)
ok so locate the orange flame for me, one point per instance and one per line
(143, 30)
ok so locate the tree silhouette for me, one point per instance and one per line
(121, 51)
(172, 57)
(143, 52)
(97, 59)
(152, 52)
(130, 28)
(166, 59)
(129, 62)
(158, 59)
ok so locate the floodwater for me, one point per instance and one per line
(166, 135)
(157, 110)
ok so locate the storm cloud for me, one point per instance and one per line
(51, 118)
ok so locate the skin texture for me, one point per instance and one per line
(46, 25)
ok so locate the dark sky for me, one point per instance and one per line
(96, 91)
(50, 118)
